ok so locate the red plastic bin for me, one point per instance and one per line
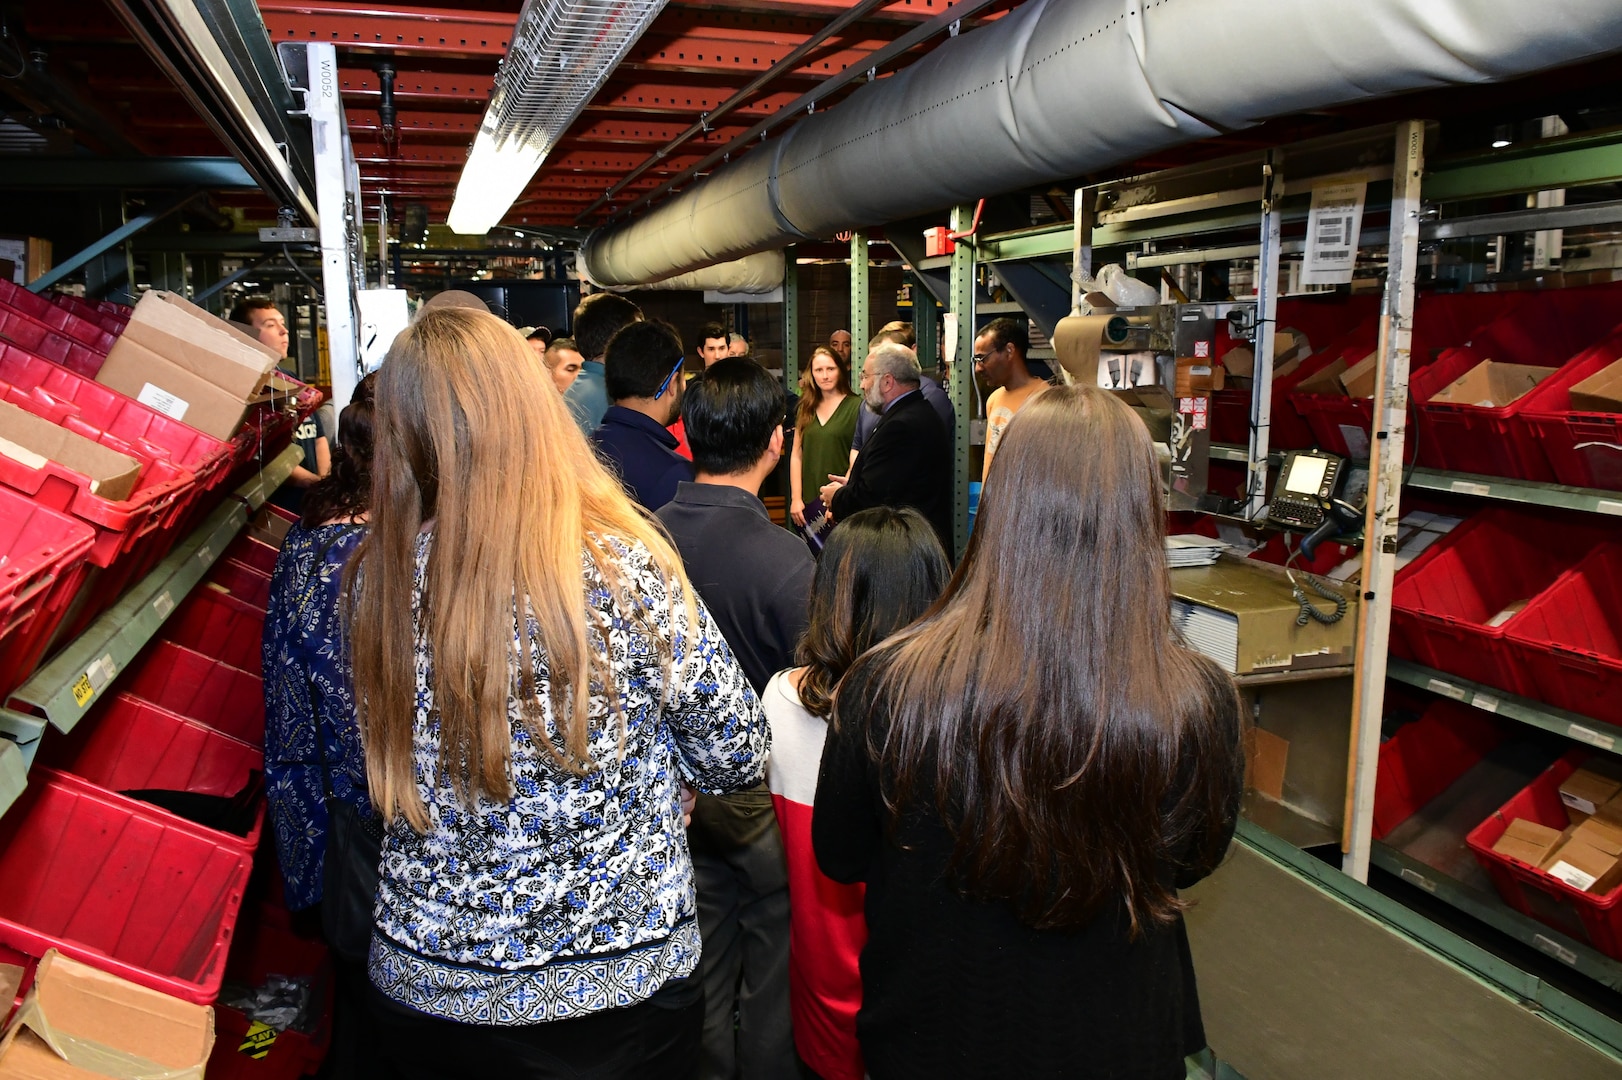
(1584, 449)
(1425, 758)
(201, 689)
(1499, 557)
(1584, 916)
(1570, 638)
(241, 581)
(119, 886)
(219, 625)
(38, 307)
(111, 322)
(31, 334)
(262, 949)
(133, 745)
(253, 553)
(43, 565)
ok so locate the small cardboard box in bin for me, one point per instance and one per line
(35, 442)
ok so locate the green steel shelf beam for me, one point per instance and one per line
(1581, 958)
(13, 774)
(1589, 500)
(1581, 1020)
(1584, 729)
(65, 688)
(1591, 158)
(1040, 243)
(860, 330)
(791, 320)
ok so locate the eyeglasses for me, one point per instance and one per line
(681, 362)
(982, 357)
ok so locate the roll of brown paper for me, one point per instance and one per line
(1078, 339)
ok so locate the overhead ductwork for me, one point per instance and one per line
(1058, 88)
(757, 274)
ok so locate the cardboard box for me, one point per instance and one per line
(133, 369)
(1600, 392)
(1290, 347)
(1324, 381)
(1528, 841)
(1240, 362)
(35, 441)
(1590, 859)
(1243, 615)
(81, 1022)
(1267, 758)
(1493, 385)
(1359, 379)
(1197, 377)
(30, 257)
(193, 340)
(1154, 406)
(1585, 791)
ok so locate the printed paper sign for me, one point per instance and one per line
(1333, 225)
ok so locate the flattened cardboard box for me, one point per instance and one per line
(1600, 392)
(133, 369)
(1492, 385)
(78, 1022)
(195, 341)
(34, 441)
(1154, 406)
(1261, 604)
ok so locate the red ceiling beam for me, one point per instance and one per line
(672, 98)
(362, 26)
(639, 132)
(438, 87)
(442, 157)
(411, 122)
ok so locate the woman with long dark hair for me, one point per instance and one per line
(824, 426)
(879, 571)
(536, 679)
(1025, 777)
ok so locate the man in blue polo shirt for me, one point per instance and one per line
(643, 377)
(596, 320)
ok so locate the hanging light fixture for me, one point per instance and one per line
(562, 52)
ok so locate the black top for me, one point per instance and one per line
(907, 461)
(753, 576)
(643, 453)
(954, 987)
(933, 392)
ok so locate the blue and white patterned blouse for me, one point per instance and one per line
(306, 679)
(576, 895)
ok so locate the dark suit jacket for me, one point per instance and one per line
(907, 461)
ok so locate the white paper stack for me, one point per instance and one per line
(1192, 550)
(1214, 633)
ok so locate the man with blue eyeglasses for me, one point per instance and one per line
(642, 372)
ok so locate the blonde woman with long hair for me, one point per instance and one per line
(535, 679)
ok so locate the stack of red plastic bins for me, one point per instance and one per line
(1583, 449)
(112, 321)
(1442, 612)
(1545, 330)
(41, 553)
(1578, 914)
(262, 949)
(37, 307)
(1570, 638)
(1425, 758)
(19, 330)
(119, 885)
(202, 689)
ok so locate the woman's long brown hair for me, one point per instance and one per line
(811, 393)
(1075, 749)
(473, 440)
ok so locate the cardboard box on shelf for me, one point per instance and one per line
(1323, 381)
(1154, 406)
(1493, 385)
(81, 1022)
(1528, 841)
(34, 441)
(1586, 790)
(192, 339)
(1359, 379)
(1267, 757)
(1590, 859)
(1243, 614)
(1240, 362)
(30, 257)
(1290, 347)
(133, 369)
(1600, 392)
(1197, 377)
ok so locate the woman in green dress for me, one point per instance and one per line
(824, 428)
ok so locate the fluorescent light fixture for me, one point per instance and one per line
(561, 54)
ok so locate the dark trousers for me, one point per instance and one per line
(656, 1039)
(742, 883)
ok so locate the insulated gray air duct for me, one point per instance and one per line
(759, 273)
(1058, 88)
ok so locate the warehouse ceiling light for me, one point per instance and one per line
(561, 54)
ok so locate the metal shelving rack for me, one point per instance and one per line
(75, 679)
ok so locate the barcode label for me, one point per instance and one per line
(163, 604)
(1591, 737)
(1571, 875)
(1465, 487)
(1553, 948)
(155, 397)
(1608, 506)
(1486, 702)
(1414, 877)
(205, 554)
(1447, 689)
